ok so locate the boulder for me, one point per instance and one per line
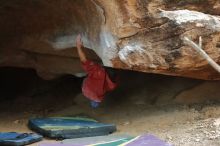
(140, 35)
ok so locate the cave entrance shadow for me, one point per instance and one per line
(23, 90)
(142, 88)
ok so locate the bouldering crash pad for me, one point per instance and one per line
(93, 141)
(18, 139)
(110, 139)
(70, 127)
(144, 140)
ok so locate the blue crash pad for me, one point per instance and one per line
(18, 139)
(70, 127)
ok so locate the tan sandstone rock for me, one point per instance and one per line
(141, 35)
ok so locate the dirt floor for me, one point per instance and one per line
(142, 104)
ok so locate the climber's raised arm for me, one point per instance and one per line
(79, 46)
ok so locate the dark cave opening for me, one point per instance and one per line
(26, 85)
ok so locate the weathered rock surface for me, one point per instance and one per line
(142, 35)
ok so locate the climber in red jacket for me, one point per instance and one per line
(97, 82)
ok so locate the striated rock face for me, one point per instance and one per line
(141, 35)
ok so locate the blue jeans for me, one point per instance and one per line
(94, 104)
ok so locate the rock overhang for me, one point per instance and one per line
(125, 34)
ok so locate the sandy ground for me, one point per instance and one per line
(134, 112)
(180, 125)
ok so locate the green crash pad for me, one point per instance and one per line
(70, 127)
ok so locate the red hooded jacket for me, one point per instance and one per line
(97, 82)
